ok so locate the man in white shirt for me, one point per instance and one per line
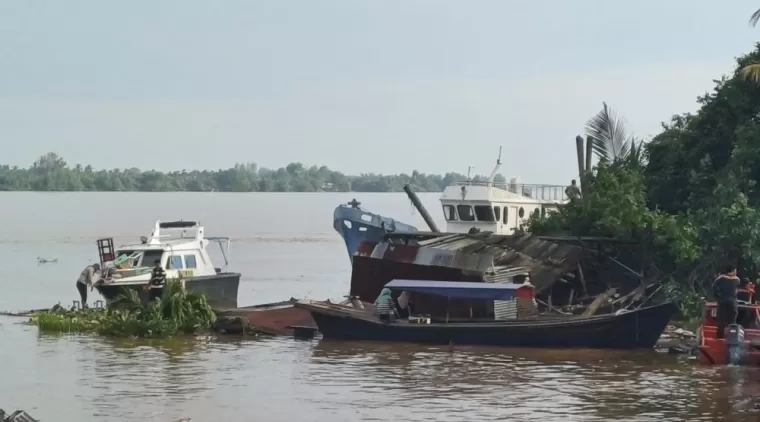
(85, 279)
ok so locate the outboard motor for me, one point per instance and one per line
(735, 344)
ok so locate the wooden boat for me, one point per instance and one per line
(639, 328)
(275, 318)
(741, 344)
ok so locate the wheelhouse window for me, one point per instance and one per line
(484, 212)
(465, 213)
(174, 262)
(450, 213)
(506, 215)
(190, 261)
(150, 257)
(497, 213)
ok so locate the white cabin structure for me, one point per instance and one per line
(180, 247)
(500, 208)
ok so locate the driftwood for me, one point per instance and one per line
(633, 296)
(598, 302)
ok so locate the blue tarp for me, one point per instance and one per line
(458, 289)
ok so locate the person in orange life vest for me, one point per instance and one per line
(724, 289)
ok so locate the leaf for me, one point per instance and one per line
(751, 72)
(609, 138)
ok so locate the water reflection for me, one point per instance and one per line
(543, 384)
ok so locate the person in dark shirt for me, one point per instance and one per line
(724, 289)
(157, 281)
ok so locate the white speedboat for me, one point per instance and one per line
(181, 249)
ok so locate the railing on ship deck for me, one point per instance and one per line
(539, 192)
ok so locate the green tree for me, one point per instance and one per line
(51, 173)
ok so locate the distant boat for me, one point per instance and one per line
(468, 206)
(41, 260)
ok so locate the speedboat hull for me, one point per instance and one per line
(636, 329)
(221, 290)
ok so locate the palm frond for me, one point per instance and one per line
(755, 18)
(607, 132)
(751, 72)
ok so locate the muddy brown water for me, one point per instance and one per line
(284, 246)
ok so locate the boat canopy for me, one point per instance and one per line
(458, 289)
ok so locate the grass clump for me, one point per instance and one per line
(177, 313)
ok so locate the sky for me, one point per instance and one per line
(385, 86)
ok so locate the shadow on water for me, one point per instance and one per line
(549, 384)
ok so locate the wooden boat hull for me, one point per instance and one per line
(221, 290)
(631, 330)
(274, 318)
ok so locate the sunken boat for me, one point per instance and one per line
(516, 324)
(182, 249)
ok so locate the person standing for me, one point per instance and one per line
(404, 305)
(573, 191)
(85, 280)
(157, 280)
(724, 289)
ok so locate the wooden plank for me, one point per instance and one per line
(582, 279)
(598, 302)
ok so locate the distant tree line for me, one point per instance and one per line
(51, 173)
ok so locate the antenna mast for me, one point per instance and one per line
(495, 169)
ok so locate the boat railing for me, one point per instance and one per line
(533, 191)
(224, 245)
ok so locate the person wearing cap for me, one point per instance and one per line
(85, 280)
(157, 281)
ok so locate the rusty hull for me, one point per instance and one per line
(273, 318)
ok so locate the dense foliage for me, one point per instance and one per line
(690, 198)
(177, 313)
(51, 173)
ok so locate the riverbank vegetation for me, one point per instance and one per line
(177, 313)
(51, 173)
(690, 196)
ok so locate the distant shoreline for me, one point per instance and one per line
(194, 191)
(51, 173)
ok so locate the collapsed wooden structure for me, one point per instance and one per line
(571, 275)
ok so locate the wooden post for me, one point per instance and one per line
(582, 279)
(447, 309)
(581, 160)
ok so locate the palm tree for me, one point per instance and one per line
(752, 71)
(609, 138)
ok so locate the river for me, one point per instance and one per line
(284, 246)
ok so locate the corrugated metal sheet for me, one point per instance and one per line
(546, 261)
(504, 309)
(503, 274)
